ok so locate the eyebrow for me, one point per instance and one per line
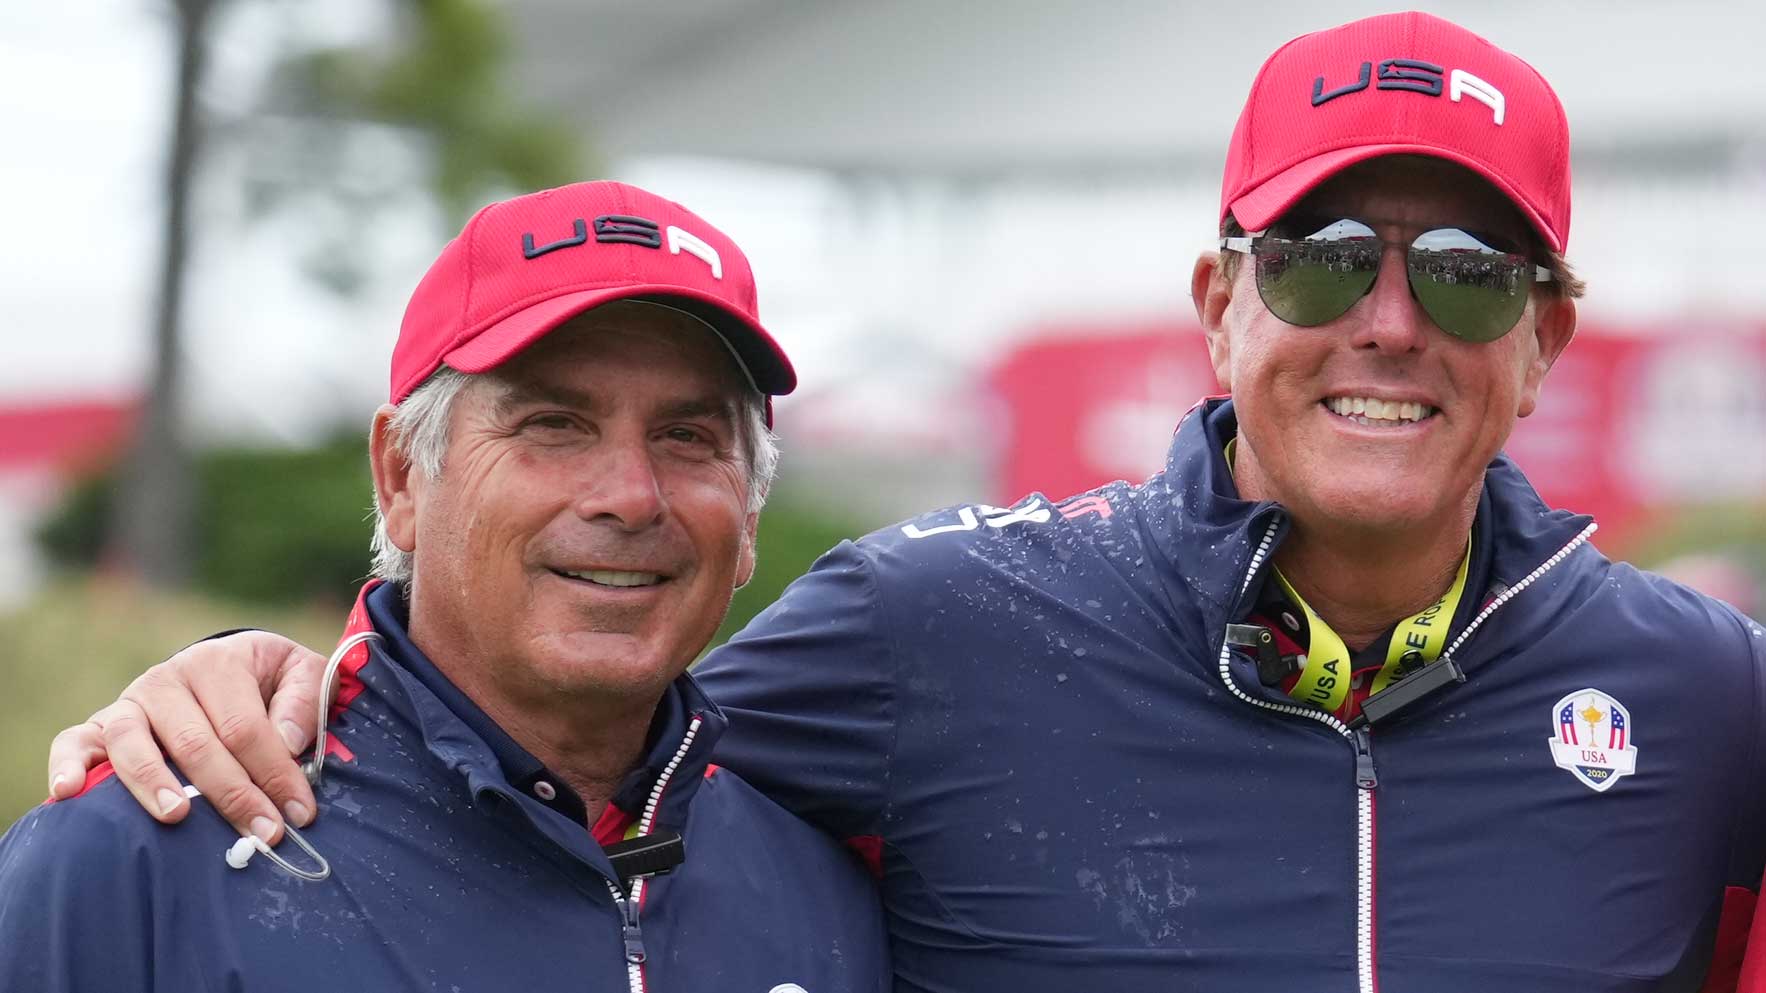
(528, 392)
(524, 392)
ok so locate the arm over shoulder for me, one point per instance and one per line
(809, 686)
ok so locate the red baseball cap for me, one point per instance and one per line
(522, 267)
(1398, 84)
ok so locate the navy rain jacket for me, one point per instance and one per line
(1069, 781)
(445, 875)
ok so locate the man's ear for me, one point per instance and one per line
(393, 476)
(1212, 293)
(1554, 325)
(746, 555)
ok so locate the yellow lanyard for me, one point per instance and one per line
(1416, 641)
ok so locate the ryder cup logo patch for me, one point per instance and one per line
(1593, 739)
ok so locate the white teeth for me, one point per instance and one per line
(1370, 410)
(608, 577)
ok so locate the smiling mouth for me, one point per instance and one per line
(1374, 413)
(612, 578)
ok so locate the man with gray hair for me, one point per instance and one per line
(567, 481)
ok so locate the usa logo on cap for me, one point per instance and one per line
(1593, 739)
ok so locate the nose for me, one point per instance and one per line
(1389, 319)
(621, 488)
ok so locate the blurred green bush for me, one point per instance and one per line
(273, 525)
(1735, 530)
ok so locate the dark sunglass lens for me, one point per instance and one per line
(1315, 279)
(1469, 289)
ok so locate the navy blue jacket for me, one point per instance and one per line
(458, 864)
(1072, 782)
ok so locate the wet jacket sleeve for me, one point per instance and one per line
(809, 686)
(74, 913)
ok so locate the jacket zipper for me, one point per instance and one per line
(628, 904)
(1365, 781)
(1361, 740)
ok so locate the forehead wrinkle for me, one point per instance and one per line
(526, 390)
(719, 408)
(521, 390)
(711, 384)
(657, 323)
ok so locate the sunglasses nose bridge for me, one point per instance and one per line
(1392, 319)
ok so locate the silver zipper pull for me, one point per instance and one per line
(1364, 759)
(634, 938)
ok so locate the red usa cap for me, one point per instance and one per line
(1406, 83)
(524, 266)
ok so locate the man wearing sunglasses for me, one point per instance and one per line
(1333, 701)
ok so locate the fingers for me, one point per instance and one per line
(206, 707)
(232, 698)
(71, 754)
(294, 701)
(191, 740)
(126, 736)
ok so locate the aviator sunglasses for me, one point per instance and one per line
(1470, 285)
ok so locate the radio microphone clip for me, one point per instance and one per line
(647, 855)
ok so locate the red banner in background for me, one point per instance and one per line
(1628, 423)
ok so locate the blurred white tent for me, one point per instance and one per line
(991, 87)
(921, 183)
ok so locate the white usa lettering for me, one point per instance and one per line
(686, 241)
(1460, 82)
(1032, 512)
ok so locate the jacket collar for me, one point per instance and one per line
(1526, 531)
(1204, 530)
(1208, 534)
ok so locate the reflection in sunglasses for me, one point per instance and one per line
(1469, 288)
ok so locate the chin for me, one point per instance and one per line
(605, 678)
(1377, 508)
(602, 661)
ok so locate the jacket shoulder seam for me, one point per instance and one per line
(892, 659)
